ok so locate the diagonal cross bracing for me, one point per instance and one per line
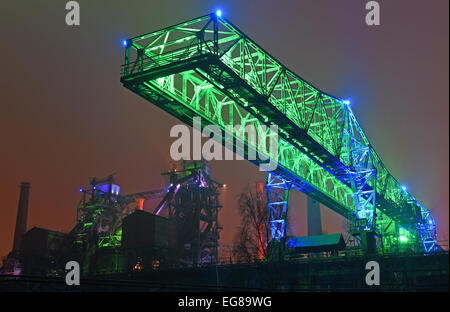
(207, 67)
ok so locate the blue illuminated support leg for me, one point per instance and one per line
(278, 201)
(363, 182)
(363, 185)
(361, 175)
(427, 232)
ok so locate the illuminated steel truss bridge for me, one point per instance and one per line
(207, 67)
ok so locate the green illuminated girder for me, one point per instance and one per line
(188, 94)
(207, 67)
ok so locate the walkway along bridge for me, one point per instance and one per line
(207, 67)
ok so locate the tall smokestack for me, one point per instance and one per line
(22, 215)
(314, 219)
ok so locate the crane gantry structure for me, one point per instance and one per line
(207, 67)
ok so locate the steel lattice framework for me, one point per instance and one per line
(207, 67)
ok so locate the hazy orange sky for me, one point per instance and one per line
(65, 117)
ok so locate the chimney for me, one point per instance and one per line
(314, 219)
(22, 214)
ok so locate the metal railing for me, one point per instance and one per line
(148, 62)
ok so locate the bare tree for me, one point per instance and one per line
(251, 240)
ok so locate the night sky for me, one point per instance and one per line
(65, 117)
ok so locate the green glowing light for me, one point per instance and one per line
(206, 67)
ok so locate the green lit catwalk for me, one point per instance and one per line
(207, 67)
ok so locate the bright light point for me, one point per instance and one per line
(403, 239)
(346, 102)
(224, 185)
(404, 188)
(124, 43)
(81, 190)
(219, 13)
(430, 222)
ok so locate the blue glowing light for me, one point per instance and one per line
(81, 190)
(346, 102)
(219, 13)
(404, 188)
(124, 43)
